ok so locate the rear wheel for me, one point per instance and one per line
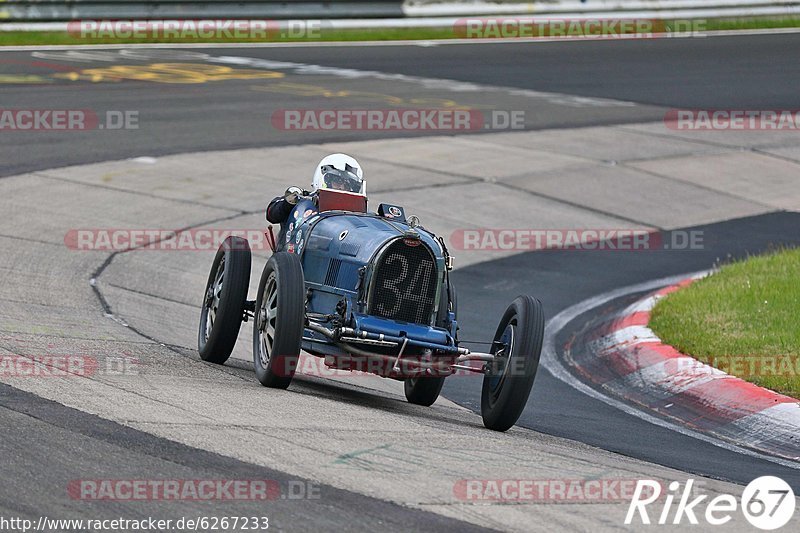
(423, 390)
(517, 345)
(224, 301)
(279, 320)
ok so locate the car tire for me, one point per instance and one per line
(279, 320)
(224, 301)
(508, 383)
(423, 390)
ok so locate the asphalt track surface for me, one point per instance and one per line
(559, 410)
(655, 75)
(41, 427)
(720, 72)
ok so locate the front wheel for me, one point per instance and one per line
(279, 320)
(224, 301)
(517, 345)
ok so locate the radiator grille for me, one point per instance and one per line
(404, 286)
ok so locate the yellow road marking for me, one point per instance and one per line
(303, 89)
(23, 78)
(181, 73)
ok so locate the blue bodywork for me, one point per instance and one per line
(338, 251)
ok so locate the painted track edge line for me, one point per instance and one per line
(552, 364)
(399, 42)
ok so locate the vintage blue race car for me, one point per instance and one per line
(368, 292)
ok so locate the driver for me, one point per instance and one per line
(336, 171)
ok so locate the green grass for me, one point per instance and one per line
(10, 38)
(744, 319)
(59, 38)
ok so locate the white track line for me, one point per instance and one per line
(553, 365)
(407, 42)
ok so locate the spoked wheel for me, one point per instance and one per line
(279, 320)
(224, 301)
(517, 345)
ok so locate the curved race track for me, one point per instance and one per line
(594, 154)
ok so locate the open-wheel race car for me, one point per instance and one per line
(368, 292)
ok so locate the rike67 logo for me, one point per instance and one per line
(767, 503)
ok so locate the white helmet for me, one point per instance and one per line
(339, 172)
